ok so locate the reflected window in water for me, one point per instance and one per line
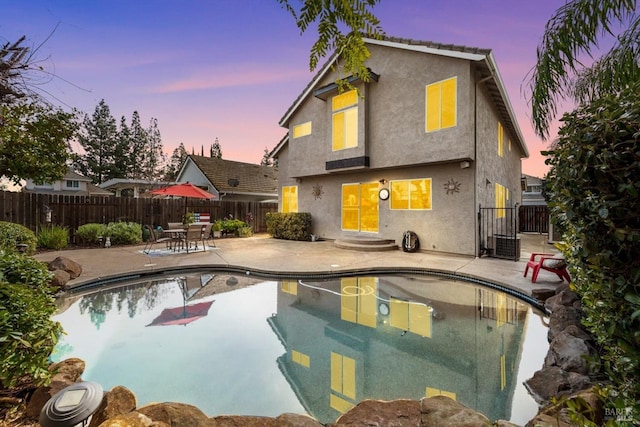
(314, 346)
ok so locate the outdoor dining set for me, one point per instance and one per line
(178, 237)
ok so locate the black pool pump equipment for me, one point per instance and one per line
(410, 241)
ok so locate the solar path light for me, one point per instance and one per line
(72, 406)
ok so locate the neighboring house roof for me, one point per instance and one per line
(482, 57)
(229, 176)
(70, 175)
(141, 184)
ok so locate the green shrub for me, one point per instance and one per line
(245, 231)
(124, 233)
(231, 226)
(593, 190)
(53, 237)
(289, 226)
(24, 270)
(90, 233)
(12, 234)
(27, 333)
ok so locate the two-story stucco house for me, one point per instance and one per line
(430, 138)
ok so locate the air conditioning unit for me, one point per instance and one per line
(506, 246)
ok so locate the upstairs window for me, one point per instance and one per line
(301, 130)
(344, 120)
(72, 183)
(441, 105)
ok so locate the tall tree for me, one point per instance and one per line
(139, 143)
(267, 160)
(215, 151)
(98, 138)
(575, 29)
(175, 163)
(34, 141)
(34, 135)
(155, 153)
(122, 151)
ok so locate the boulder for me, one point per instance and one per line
(60, 279)
(557, 415)
(63, 263)
(569, 352)
(562, 317)
(445, 412)
(131, 419)
(542, 294)
(177, 414)
(397, 413)
(65, 373)
(244, 421)
(565, 297)
(553, 381)
(117, 401)
(296, 420)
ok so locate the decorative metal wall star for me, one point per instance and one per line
(317, 192)
(452, 186)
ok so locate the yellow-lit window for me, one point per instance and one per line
(359, 300)
(412, 317)
(290, 198)
(430, 392)
(343, 375)
(300, 358)
(414, 194)
(290, 287)
(302, 129)
(500, 140)
(501, 194)
(345, 120)
(441, 105)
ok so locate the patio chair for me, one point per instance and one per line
(193, 235)
(207, 236)
(551, 262)
(153, 237)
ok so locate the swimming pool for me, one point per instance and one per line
(240, 344)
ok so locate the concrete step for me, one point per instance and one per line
(367, 244)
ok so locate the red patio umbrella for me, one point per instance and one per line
(182, 315)
(183, 190)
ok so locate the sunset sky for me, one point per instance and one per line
(229, 69)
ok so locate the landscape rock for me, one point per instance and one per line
(296, 420)
(117, 401)
(65, 373)
(442, 411)
(177, 414)
(562, 317)
(131, 419)
(244, 421)
(398, 413)
(553, 381)
(60, 279)
(542, 294)
(569, 352)
(63, 263)
(565, 297)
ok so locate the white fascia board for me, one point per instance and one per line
(427, 49)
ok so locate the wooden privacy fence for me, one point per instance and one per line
(533, 219)
(37, 210)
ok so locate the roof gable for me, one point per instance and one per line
(483, 58)
(237, 177)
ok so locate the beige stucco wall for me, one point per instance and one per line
(392, 133)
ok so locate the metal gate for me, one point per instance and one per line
(498, 233)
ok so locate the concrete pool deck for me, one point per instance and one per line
(263, 253)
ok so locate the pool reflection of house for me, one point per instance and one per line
(366, 338)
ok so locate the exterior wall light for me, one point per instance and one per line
(72, 406)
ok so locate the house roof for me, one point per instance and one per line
(229, 176)
(489, 74)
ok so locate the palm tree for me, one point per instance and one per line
(575, 29)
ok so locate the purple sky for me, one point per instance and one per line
(231, 68)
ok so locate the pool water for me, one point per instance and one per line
(242, 345)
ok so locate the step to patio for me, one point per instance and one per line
(366, 244)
